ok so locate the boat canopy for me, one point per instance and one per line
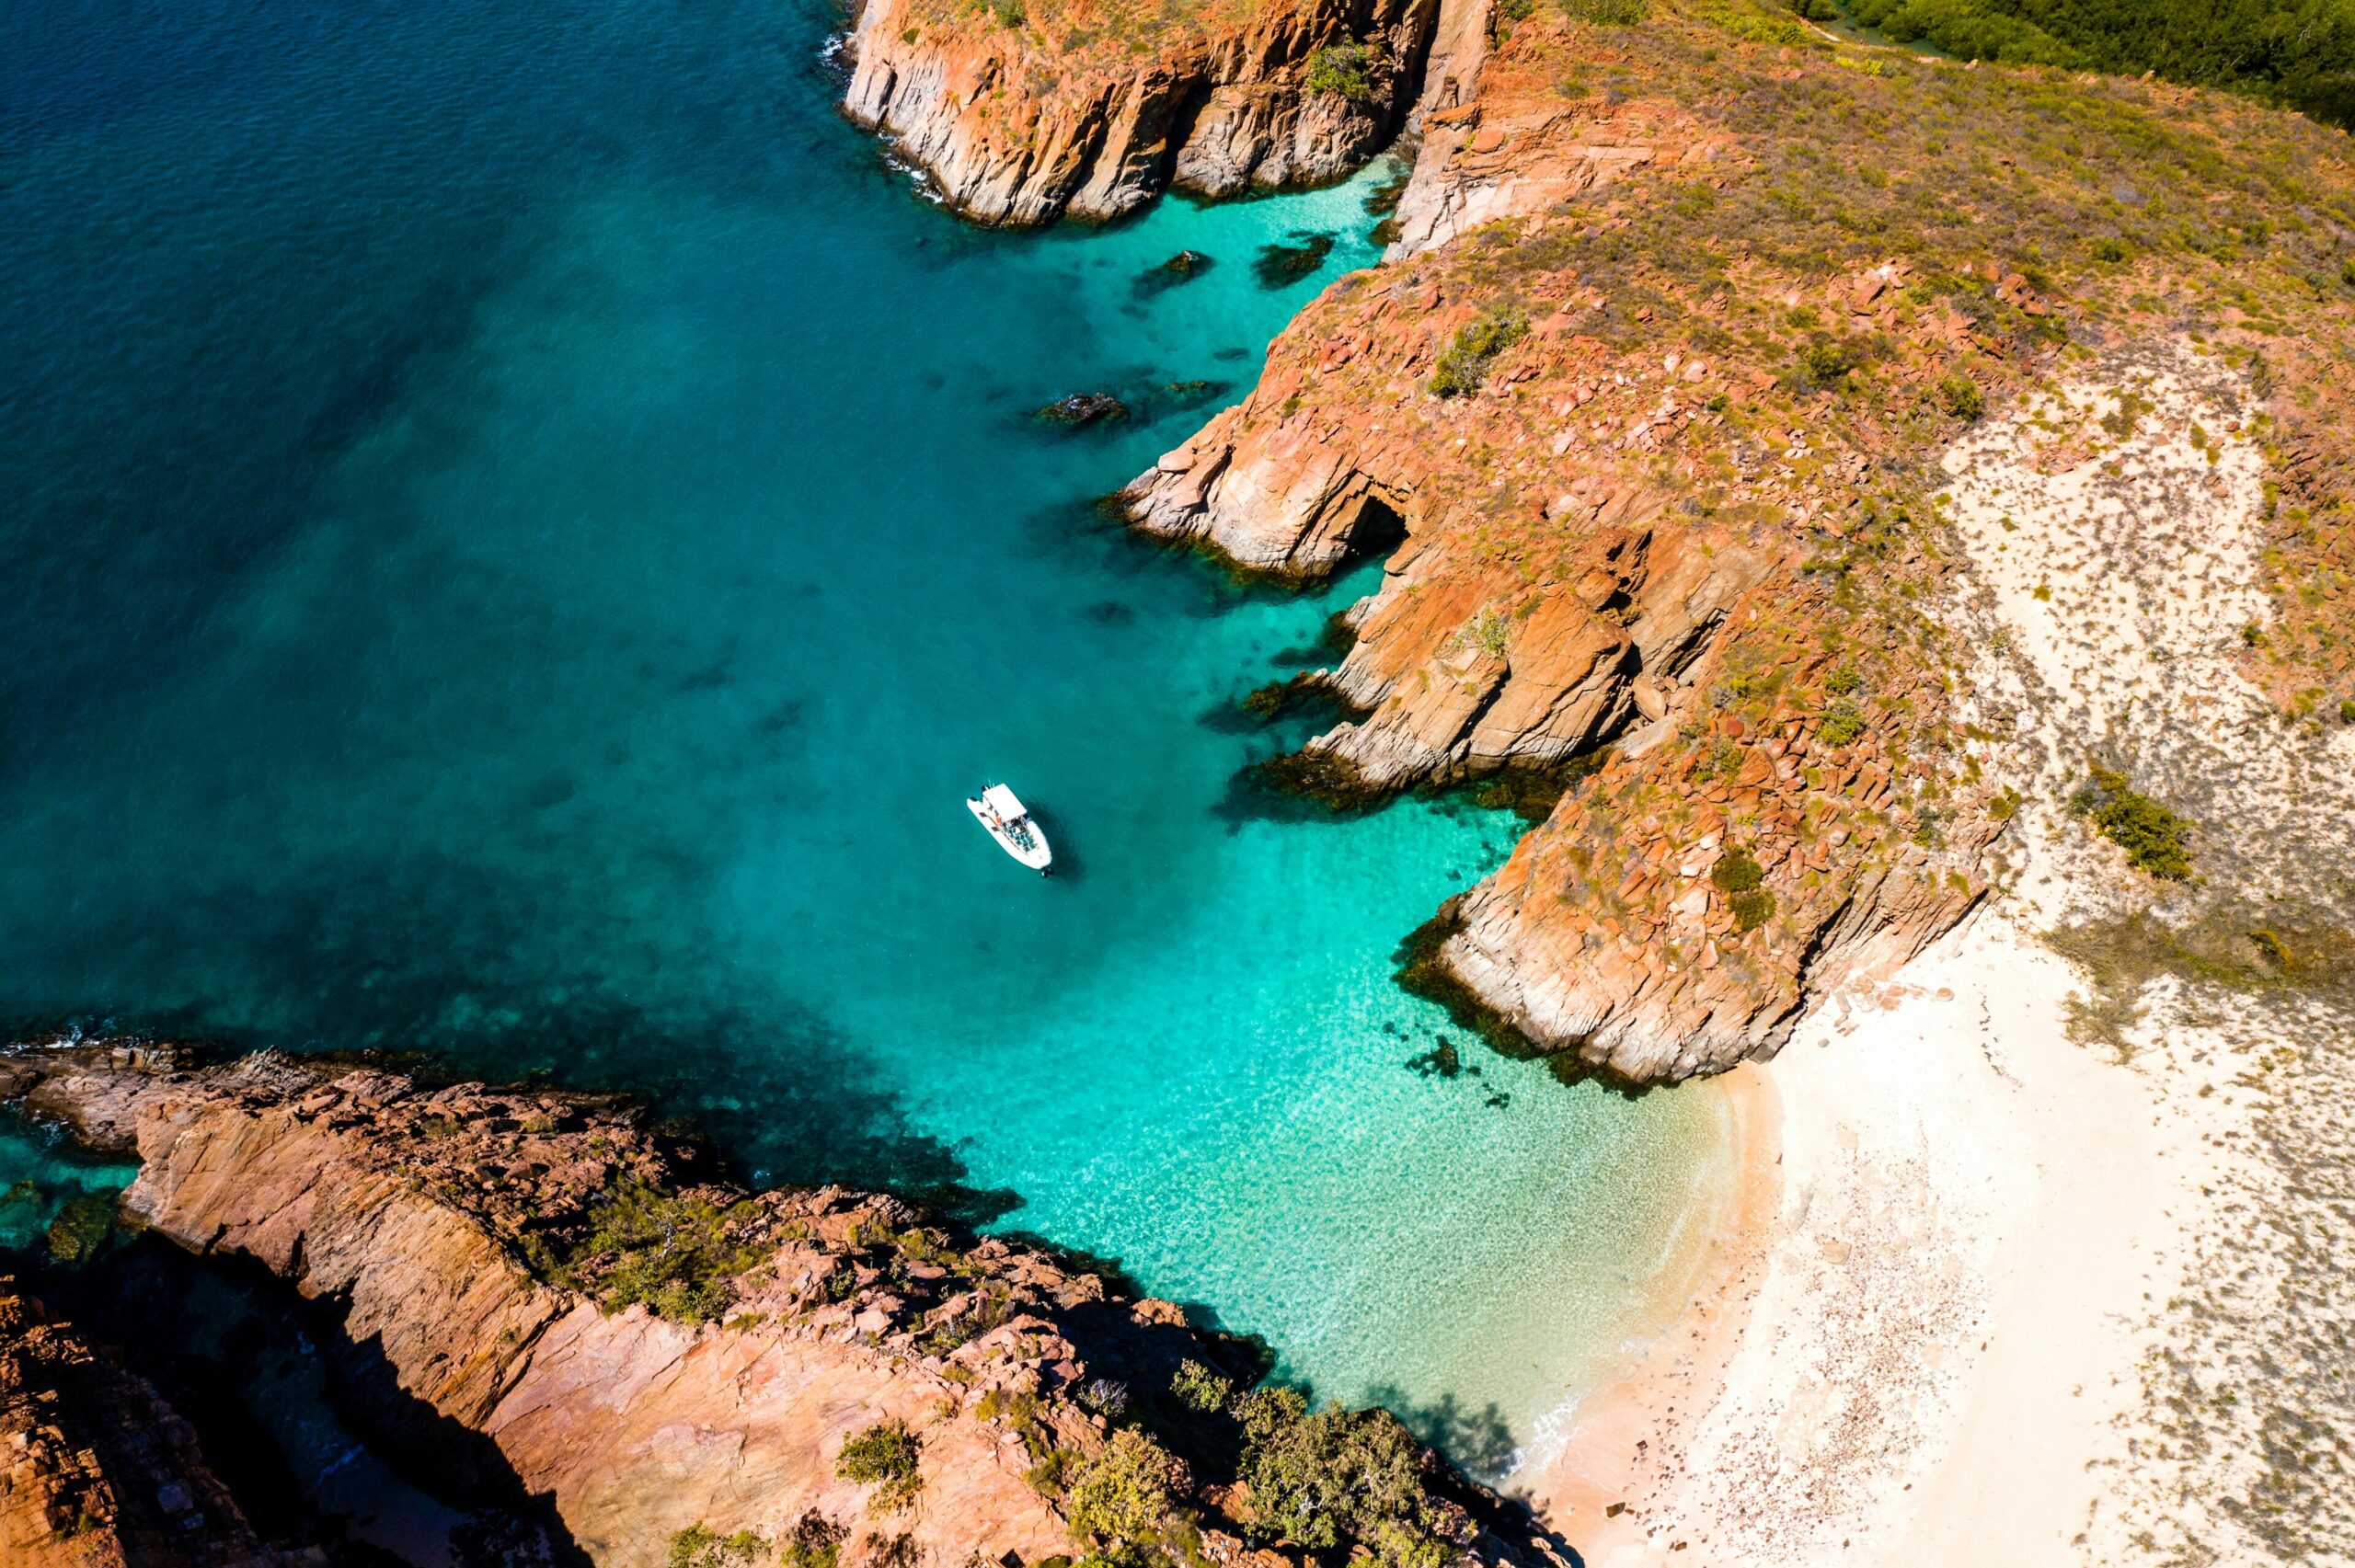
(1000, 799)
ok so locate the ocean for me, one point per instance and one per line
(522, 529)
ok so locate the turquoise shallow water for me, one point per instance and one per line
(523, 530)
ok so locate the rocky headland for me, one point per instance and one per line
(1026, 111)
(1645, 410)
(543, 1300)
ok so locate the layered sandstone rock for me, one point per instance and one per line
(1506, 155)
(95, 1471)
(449, 1227)
(1081, 109)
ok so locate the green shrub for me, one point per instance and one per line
(886, 1456)
(816, 1542)
(1842, 722)
(1607, 12)
(1009, 13)
(2297, 52)
(1122, 1496)
(675, 1255)
(1959, 396)
(1737, 871)
(1753, 908)
(1844, 679)
(1199, 1389)
(1824, 364)
(2346, 710)
(2156, 841)
(2111, 248)
(1333, 1477)
(1343, 70)
(1464, 363)
(698, 1546)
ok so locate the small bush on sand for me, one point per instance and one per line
(2157, 842)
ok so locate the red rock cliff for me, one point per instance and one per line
(504, 1253)
(1090, 108)
(1608, 499)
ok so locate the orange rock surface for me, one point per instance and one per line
(1082, 108)
(95, 1471)
(1644, 407)
(436, 1220)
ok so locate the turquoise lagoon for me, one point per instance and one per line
(522, 529)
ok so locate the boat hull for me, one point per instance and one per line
(1022, 838)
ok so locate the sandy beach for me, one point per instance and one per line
(1954, 1222)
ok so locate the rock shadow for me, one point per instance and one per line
(254, 1368)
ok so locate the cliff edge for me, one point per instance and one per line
(548, 1296)
(96, 1471)
(1648, 409)
(1026, 111)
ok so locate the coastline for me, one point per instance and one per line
(1618, 1444)
(1953, 1227)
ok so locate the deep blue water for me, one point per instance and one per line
(520, 530)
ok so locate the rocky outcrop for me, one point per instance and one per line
(1495, 158)
(95, 1471)
(1059, 115)
(539, 1290)
(1591, 545)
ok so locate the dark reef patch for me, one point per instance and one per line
(1280, 266)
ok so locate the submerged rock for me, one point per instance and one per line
(1085, 408)
(1182, 267)
(1280, 266)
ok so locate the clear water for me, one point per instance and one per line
(522, 531)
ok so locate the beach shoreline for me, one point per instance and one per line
(1951, 1228)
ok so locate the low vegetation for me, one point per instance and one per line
(887, 1456)
(2157, 842)
(1333, 1477)
(676, 1255)
(816, 1542)
(698, 1546)
(1464, 364)
(1344, 70)
(2300, 52)
(1121, 1499)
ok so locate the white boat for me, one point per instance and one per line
(1009, 823)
